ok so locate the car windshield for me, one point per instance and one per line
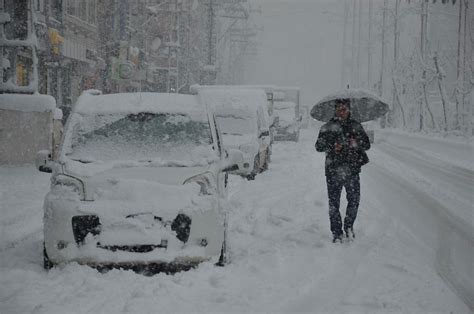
(140, 136)
(235, 125)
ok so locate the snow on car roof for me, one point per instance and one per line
(140, 102)
(27, 103)
(195, 88)
(284, 104)
(233, 98)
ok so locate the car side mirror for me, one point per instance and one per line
(234, 158)
(231, 168)
(43, 161)
(264, 133)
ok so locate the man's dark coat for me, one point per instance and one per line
(350, 158)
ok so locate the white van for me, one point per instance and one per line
(269, 90)
(242, 119)
(139, 183)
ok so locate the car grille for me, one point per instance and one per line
(182, 226)
(142, 248)
(82, 225)
(85, 224)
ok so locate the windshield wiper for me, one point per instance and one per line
(231, 134)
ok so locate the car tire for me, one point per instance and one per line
(256, 168)
(250, 177)
(47, 264)
(267, 160)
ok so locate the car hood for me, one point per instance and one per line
(137, 181)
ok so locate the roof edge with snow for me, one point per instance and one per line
(27, 102)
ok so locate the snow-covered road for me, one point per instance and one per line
(413, 252)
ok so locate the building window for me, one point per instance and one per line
(91, 8)
(39, 5)
(82, 12)
(71, 7)
(57, 9)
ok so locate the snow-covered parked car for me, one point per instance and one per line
(243, 119)
(269, 91)
(288, 126)
(140, 183)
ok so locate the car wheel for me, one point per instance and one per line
(47, 264)
(251, 176)
(267, 160)
(256, 168)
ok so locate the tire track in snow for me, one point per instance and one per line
(450, 238)
(457, 179)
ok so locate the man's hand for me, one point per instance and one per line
(353, 143)
(337, 148)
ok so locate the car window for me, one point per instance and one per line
(287, 114)
(235, 125)
(140, 136)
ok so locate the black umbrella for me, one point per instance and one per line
(365, 106)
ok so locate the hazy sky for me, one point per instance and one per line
(300, 46)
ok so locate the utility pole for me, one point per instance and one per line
(353, 54)
(211, 30)
(369, 52)
(359, 43)
(384, 24)
(344, 45)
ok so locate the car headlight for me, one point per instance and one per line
(206, 184)
(248, 148)
(68, 184)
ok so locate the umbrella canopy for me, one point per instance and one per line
(365, 106)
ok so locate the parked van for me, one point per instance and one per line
(269, 91)
(140, 183)
(241, 114)
(287, 107)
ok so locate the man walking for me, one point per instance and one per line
(344, 141)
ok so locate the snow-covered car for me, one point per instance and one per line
(269, 90)
(140, 183)
(288, 126)
(242, 117)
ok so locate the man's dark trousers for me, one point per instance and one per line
(335, 182)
